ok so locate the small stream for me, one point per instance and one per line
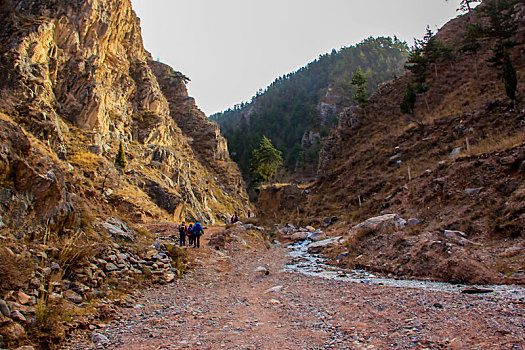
(315, 265)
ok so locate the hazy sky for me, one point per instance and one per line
(231, 48)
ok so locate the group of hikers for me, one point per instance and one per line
(193, 232)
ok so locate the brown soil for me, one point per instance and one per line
(223, 303)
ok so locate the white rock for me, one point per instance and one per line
(318, 246)
(382, 221)
(274, 289)
(452, 233)
(262, 269)
(98, 338)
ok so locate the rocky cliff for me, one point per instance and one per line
(77, 78)
(75, 83)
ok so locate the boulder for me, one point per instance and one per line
(150, 254)
(111, 267)
(17, 316)
(455, 153)
(73, 296)
(13, 332)
(473, 191)
(4, 309)
(23, 298)
(101, 339)
(117, 229)
(454, 234)
(317, 236)
(262, 270)
(275, 289)
(413, 222)
(169, 277)
(342, 255)
(299, 236)
(316, 247)
(329, 221)
(378, 222)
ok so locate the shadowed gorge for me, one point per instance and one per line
(390, 185)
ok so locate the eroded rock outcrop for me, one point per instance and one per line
(75, 83)
(82, 65)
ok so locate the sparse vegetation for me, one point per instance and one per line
(120, 159)
(179, 256)
(503, 24)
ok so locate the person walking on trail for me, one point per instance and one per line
(249, 213)
(197, 232)
(182, 234)
(190, 235)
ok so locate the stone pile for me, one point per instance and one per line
(115, 266)
(297, 234)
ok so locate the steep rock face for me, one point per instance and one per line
(33, 193)
(75, 76)
(202, 134)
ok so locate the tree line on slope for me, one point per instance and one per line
(290, 106)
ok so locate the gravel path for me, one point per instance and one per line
(224, 303)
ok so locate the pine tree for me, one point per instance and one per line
(266, 160)
(409, 100)
(503, 23)
(510, 77)
(464, 5)
(359, 80)
(120, 159)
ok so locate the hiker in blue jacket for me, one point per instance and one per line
(197, 232)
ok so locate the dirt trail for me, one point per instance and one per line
(224, 303)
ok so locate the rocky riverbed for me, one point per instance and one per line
(316, 266)
(244, 296)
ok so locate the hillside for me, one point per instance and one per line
(75, 228)
(456, 165)
(300, 108)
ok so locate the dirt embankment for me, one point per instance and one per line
(239, 297)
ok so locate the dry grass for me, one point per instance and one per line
(84, 159)
(495, 143)
(179, 257)
(275, 185)
(73, 251)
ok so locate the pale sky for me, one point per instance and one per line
(231, 48)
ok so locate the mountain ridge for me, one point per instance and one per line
(300, 108)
